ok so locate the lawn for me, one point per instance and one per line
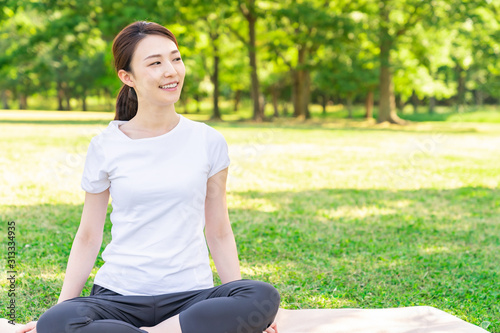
(334, 214)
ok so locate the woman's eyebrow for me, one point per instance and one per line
(152, 56)
(159, 55)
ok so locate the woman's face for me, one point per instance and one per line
(157, 71)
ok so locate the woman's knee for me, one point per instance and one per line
(262, 298)
(63, 318)
(262, 305)
(266, 299)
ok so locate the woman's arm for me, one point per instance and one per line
(86, 245)
(218, 230)
(84, 250)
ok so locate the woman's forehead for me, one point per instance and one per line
(154, 45)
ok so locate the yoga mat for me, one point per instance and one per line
(416, 319)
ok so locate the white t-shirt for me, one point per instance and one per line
(158, 188)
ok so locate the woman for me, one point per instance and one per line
(167, 177)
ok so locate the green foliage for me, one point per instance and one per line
(448, 50)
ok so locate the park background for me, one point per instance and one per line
(363, 135)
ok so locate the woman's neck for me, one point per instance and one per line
(156, 119)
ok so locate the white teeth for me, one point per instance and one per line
(172, 85)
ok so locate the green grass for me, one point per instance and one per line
(335, 213)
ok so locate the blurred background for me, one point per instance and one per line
(250, 59)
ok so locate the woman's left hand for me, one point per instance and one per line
(272, 329)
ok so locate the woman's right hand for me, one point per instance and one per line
(29, 327)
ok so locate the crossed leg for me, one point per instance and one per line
(243, 306)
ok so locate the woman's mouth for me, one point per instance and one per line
(170, 86)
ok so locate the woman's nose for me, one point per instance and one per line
(169, 69)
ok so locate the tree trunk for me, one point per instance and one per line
(237, 99)
(5, 100)
(432, 105)
(307, 92)
(108, 99)
(84, 101)
(262, 104)
(214, 77)
(197, 99)
(275, 95)
(414, 101)
(460, 88)
(285, 109)
(349, 105)
(60, 97)
(257, 115)
(111, 100)
(23, 101)
(215, 82)
(399, 103)
(369, 105)
(68, 102)
(387, 103)
(479, 96)
(295, 92)
(184, 105)
(300, 96)
(323, 103)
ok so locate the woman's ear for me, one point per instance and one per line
(126, 77)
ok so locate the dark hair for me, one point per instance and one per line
(124, 46)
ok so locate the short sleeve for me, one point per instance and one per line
(218, 155)
(95, 177)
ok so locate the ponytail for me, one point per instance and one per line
(126, 104)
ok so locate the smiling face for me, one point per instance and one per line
(157, 71)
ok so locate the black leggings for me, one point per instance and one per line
(242, 306)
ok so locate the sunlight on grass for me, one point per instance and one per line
(53, 115)
(260, 204)
(53, 274)
(435, 249)
(355, 212)
(255, 270)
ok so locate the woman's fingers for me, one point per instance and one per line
(29, 327)
(272, 329)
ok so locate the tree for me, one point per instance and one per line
(250, 12)
(349, 68)
(476, 50)
(299, 30)
(21, 73)
(418, 67)
(213, 41)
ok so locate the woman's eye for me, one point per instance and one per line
(155, 63)
(178, 59)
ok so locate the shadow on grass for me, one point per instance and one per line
(353, 125)
(324, 248)
(315, 124)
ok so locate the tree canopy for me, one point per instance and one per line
(310, 51)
